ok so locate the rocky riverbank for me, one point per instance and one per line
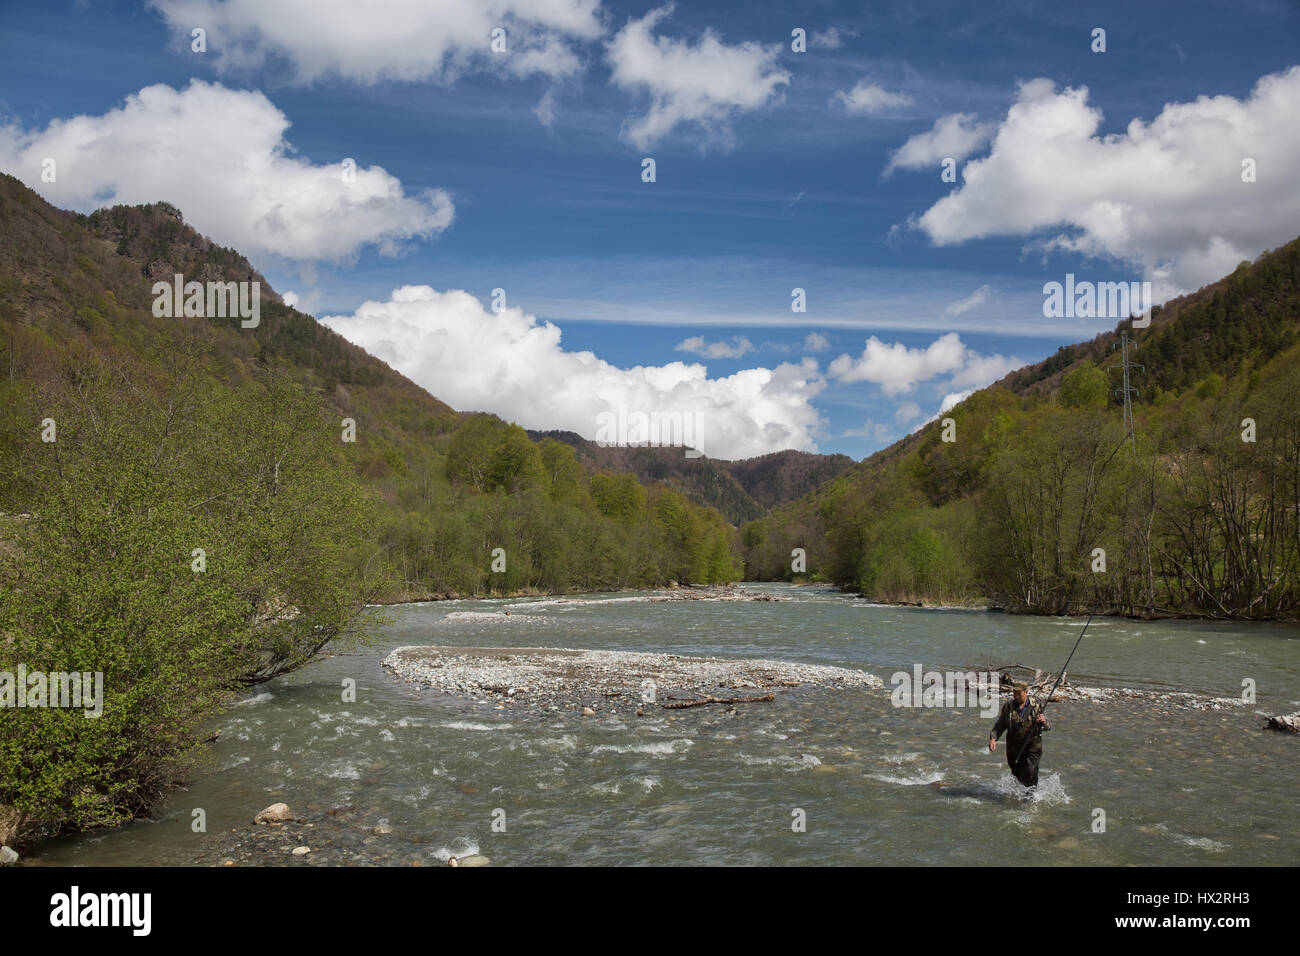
(339, 836)
(673, 592)
(592, 682)
(1041, 683)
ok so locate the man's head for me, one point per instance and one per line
(1020, 690)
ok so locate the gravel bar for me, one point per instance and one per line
(567, 678)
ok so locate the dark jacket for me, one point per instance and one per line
(1017, 726)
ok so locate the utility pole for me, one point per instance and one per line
(1126, 390)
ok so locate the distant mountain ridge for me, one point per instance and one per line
(741, 490)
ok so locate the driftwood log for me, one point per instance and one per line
(678, 704)
(1287, 724)
(1039, 681)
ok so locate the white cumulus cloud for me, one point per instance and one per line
(868, 99)
(953, 399)
(898, 369)
(379, 40)
(738, 346)
(1166, 196)
(221, 156)
(703, 83)
(512, 365)
(955, 137)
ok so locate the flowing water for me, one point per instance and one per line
(876, 784)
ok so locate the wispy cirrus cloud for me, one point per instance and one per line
(738, 346)
(976, 298)
(832, 38)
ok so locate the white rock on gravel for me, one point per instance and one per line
(275, 813)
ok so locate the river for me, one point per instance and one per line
(872, 783)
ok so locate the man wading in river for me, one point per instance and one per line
(1017, 718)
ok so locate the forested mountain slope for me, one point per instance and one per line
(77, 289)
(189, 504)
(1042, 502)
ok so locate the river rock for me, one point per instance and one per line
(588, 712)
(475, 860)
(8, 857)
(275, 813)
(301, 850)
(382, 829)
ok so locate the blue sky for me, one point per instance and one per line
(521, 170)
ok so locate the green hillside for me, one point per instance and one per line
(188, 505)
(81, 285)
(1192, 517)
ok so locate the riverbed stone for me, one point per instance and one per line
(301, 850)
(8, 856)
(475, 860)
(275, 813)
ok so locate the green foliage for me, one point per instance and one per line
(620, 497)
(210, 436)
(472, 451)
(516, 463)
(1212, 385)
(1194, 520)
(1085, 387)
(102, 576)
(561, 474)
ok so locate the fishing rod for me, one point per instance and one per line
(1060, 677)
